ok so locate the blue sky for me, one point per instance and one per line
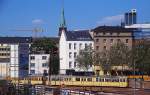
(80, 14)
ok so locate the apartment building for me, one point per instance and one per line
(14, 53)
(38, 64)
(105, 36)
(70, 43)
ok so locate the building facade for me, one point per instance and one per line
(38, 64)
(14, 53)
(105, 36)
(70, 43)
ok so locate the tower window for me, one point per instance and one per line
(70, 64)
(75, 45)
(127, 40)
(80, 46)
(69, 45)
(75, 54)
(70, 54)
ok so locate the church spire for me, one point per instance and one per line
(62, 26)
(63, 21)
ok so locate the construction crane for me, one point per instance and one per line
(35, 31)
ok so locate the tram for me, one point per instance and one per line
(108, 81)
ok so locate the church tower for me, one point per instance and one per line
(62, 26)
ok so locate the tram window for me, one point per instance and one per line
(83, 79)
(53, 79)
(102, 80)
(97, 79)
(77, 79)
(123, 80)
(69, 79)
(89, 79)
(120, 80)
(106, 80)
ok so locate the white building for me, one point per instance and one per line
(71, 42)
(142, 30)
(38, 64)
(14, 56)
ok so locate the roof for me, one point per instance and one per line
(112, 29)
(140, 26)
(15, 39)
(79, 35)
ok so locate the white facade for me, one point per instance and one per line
(38, 64)
(9, 68)
(68, 50)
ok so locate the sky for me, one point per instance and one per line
(20, 17)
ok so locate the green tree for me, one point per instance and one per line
(48, 46)
(102, 59)
(85, 58)
(120, 55)
(141, 56)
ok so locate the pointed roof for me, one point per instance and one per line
(63, 21)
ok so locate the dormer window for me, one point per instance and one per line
(104, 33)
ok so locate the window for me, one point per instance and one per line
(104, 40)
(75, 54)
(77, 79)
(70, 54)
(105, 48)
(118, 40)
(97, 47)
(86, 46)
(111, 41)
(32, 65)
(104, 33)
(32, 71)
(80, 45)
(70, 64)
(96, 33)
(97, 40)
(44, 64)
(69, 45)
(111, 34)
(44, 57)
(75, 64)
(127, 40)
(74, 45)
(32, 57)
(90, 45)
(118, 34)
(89, 79)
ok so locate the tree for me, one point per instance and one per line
(119, 55)
(85, 58)
(102, 59)
(43, 45)
(46, 45)
(141, 56)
